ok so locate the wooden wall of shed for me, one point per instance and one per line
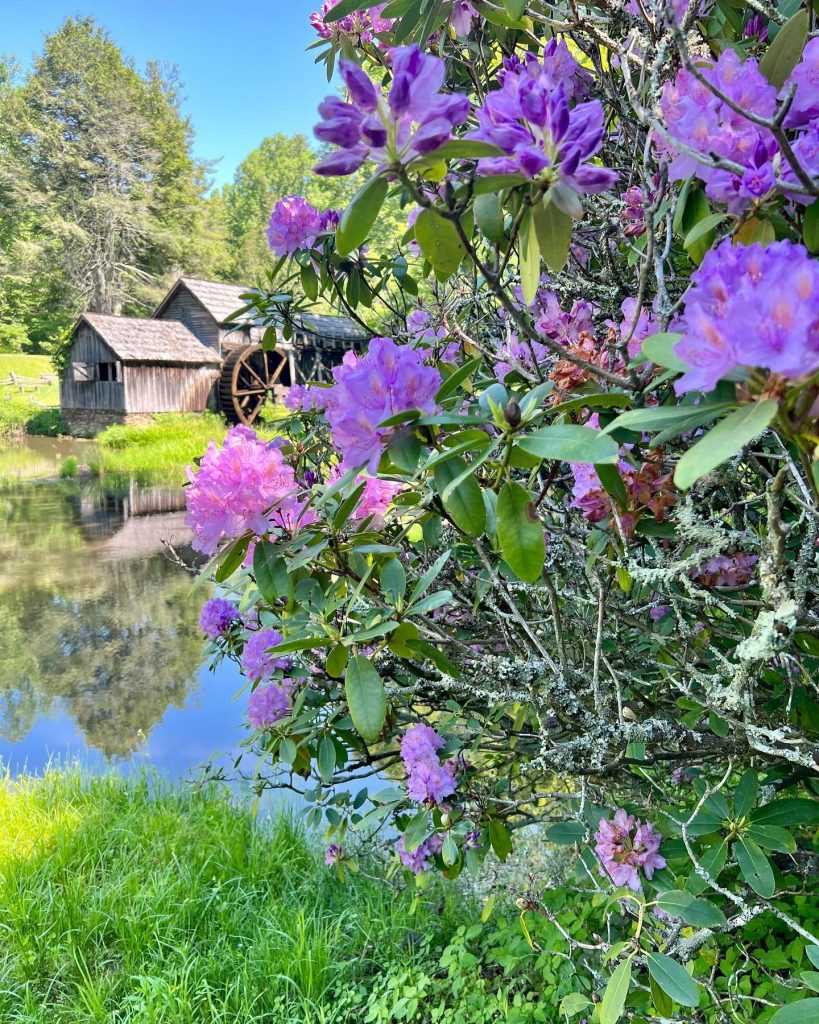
(186, 308)
(88, 347)
(162, 388)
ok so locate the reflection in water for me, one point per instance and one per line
(100, 646)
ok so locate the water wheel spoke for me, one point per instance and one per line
(250, 391)
(276, 374)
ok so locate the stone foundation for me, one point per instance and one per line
(89, 422)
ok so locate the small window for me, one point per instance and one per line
(108, 371)
(83, 372)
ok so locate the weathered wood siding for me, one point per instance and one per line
(189, 310)
(162, 388)
(88, 347)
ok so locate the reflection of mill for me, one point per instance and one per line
(134, 521)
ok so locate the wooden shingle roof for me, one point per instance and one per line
(150, 341)
(219, 299)
(332, 328)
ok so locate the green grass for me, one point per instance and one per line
(28, 408)
(125, 902)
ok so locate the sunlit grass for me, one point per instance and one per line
(22, 403)
(128, 901)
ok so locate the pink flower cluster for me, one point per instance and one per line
(257, 663)
(244, 486)
(269, 704)
(727, 570)
(625, 847)
(302, 398)
(749, 306)
(295, 224)
(428, 780)
(389, 379)
(359, 27)
(420, 858)
(217, 616)
(333, 855)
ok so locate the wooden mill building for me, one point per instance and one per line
(189, 356)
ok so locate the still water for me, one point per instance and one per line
(101, 656)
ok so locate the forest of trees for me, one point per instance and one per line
(103, 202)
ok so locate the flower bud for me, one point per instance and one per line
(512, 414)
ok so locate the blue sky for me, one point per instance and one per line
(242, 62)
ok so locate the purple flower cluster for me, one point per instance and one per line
(625, 847)
(360, 27)
(268, 704)
(242, 486)
(257, 663)
(420, 858)
(303, 398)
(705, 124)
(543, 136)
(389, 379)
(333, 855)
(295, 224)
(750, 306)
(727, 570)
(413, 119)
(428, 780)
(217, 616)
(805, 76)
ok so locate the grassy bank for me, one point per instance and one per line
(28, 405)
(127, 902)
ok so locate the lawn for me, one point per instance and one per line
(30, 405)
(134, 902)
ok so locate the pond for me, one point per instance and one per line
(101, 656)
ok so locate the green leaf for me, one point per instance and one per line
(772, 837)
(366, 699)
(529, 257)
(231, 559)
(673, 979)
(691, 910)
(813, 954)
(464, 503)
(785, 51)
(462, 149)
(755, 867)
(417, 831)
(805, 1011)
(695, 210)
(336, 661)
(566, 833)
(702, 228)
(811, 979)
(614, 998)
(439, 242)
(489, 217)
(659, 348)
(342, 9)
(454, 380)
(573, 1003)
(326, 759)
(727, 438)
(438, 658)
(746, 794)
(810, 227)
(713, 861)
(393, 580)
(428, 578)
(515, 8)
(500, 839)
(662, 1001)
(520, 532)
(270, 571)
(404, 449)
(567, 442)
(553, 229)
(449, 851)
(788, 811)
(361, 213)
(662, 416)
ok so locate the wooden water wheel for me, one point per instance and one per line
(249, 378)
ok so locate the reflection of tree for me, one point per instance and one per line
(116, 642)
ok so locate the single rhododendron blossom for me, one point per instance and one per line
(237, 489)
(217, 616)
(389, 379)
(257, 662)
(625, 847)
(750, 306)
(294, 224)
(412, 119)
(268, 704)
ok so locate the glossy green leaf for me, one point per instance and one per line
(337, 661)
(772, 837)
(568, 442)
(464, 502)
(692, 910)
(661, 1000)
(659, 348)
(364, 688)
(573, 1003)
(500, 839)
(529, 256)
(673, 979)
(662, 416)
(745, 794)
(449, 851)
(462, 149)
(755, 867)
(326, 759)
(785, 51)
(404, 449)
(393, 580)
(553, 229)
(614, 998)
(696, 209)
(566, 833)
(702, 228)
(788, 811)
(728, 437)
(270, 571)
(810, 227)
(439, 242)
(417, 831)
(713, 861)
(520, 532)
(805, 1011)
(454, 380)
(813, 954)
(489, 217)
(515, 8)
(231, 559)
(361, 213)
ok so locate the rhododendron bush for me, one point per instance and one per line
(543, 555)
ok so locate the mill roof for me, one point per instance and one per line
(150, 341)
